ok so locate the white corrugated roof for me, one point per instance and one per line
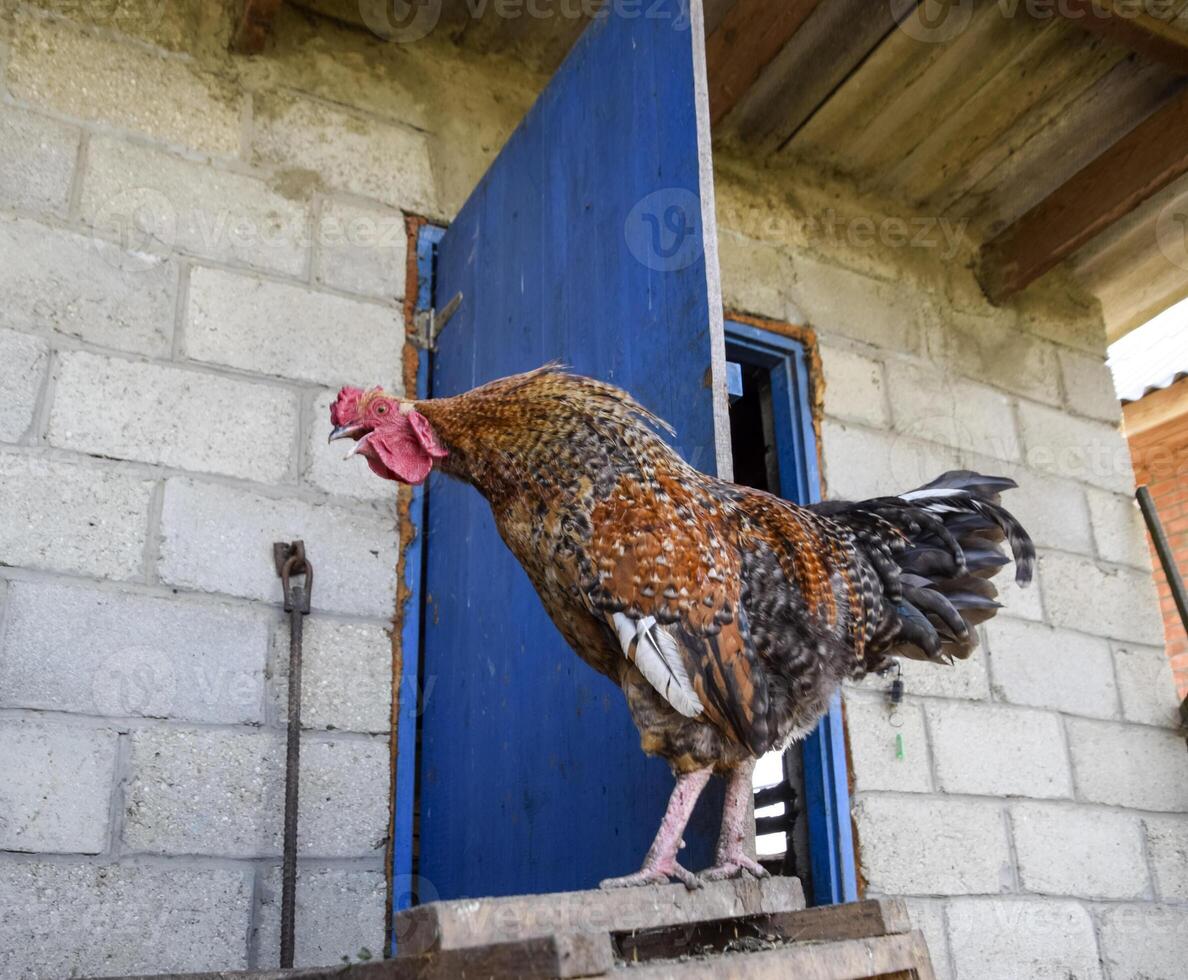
(1152, 356)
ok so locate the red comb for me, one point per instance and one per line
(345, 409)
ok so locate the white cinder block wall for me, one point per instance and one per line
(1038, 817)
(196, 250)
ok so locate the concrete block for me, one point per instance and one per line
(855, 389)
(183, 419)
(1118, 528)
(72, 517)
(861, 462)
(927, 845)
(1129, 765)
(935, 407)
(839, 302)
(877, 764)
(1106, 600)
(325, 468)
(292, 332)
(1005, 939)
(80, 287)
(1069, 850)
(1052, 510)
(928, 915)
(173, 26)
(993, 351)
(358, 154)
(55, 787)
(1021, 602)
(1039, 665)
(1147, 686)
(110, 920)
(1144, 942)
(1167, 849)
(99, 652)
(24, 359)
(54, 65)
(222, 793)
(756, 277)
(219, 539)
(1076, 448)
(160, 202)
(340, 916)
(1018, 752)
(37, 157)
(966, 679)
(346, 676)
(1089, 386)
(362, 250)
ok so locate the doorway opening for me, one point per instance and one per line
(801, 797)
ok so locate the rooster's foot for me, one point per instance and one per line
(734, 866)
(655, 874)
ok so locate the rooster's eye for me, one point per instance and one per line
(381, 409)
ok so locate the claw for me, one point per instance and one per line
(734, 866)
(654, 875)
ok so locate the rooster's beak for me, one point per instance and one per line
(346, 432)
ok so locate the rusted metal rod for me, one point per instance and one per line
(1162, 548)
(291, 561)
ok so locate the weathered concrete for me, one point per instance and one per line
(55, 787)
(24, 359)
(73, 285)
(101, 652)
(290, 331)
(183, 419)
(928, 845)
(37, 157)
(73, 517)
(108, 919)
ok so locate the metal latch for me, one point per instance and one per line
(430, 323)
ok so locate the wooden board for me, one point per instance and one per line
(531, 777)
(1144, 162)
(459, 924)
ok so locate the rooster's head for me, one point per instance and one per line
(396, 440)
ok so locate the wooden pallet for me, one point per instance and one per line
(747, 929)
(750, 930)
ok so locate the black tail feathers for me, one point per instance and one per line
(942, 541)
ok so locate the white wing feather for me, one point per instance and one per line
(659, 660)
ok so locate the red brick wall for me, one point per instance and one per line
(1161, 461)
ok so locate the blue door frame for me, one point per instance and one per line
(826, 786)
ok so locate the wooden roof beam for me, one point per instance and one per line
(1142, 163)
(747, 40)
(1128, 24)
(255, 25)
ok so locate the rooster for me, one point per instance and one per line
(727, 616)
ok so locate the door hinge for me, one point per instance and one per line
(430, 323)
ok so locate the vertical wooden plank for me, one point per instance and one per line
(590, 240)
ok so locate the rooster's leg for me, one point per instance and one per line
(660, 866)
(732, 858)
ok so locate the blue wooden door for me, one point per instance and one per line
(589, 241)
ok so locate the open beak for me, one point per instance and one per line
(347, 432)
